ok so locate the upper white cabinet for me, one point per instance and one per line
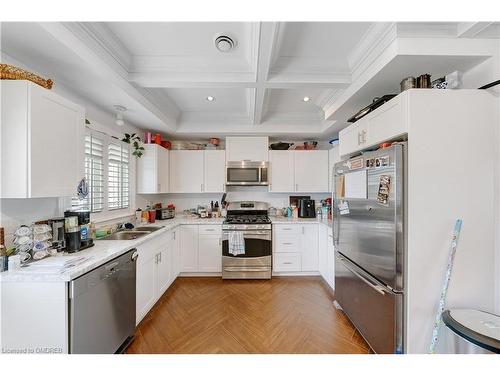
(247, 148)
(153, 170)
(214, 171)
(385, 123)
(186, 171)
(298, 171)
(281, 171)
(194, 171)
(42, 147)
(311, 171)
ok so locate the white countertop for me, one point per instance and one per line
(104, 251)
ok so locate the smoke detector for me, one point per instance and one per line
(224, 43)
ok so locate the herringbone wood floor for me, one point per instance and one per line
(282, 315)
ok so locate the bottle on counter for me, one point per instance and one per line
(138, 215)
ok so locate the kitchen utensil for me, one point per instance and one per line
(377, 102)
(214, 141)
(424, 81)
(280, 146)
(408, 83)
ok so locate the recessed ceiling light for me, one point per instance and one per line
(306, 99)
(210, 98)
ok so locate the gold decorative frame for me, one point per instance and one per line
(13, 73)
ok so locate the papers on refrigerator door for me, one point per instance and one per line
(355, 185)
(344, 208)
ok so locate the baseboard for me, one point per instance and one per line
(200, 274)
(296, 273)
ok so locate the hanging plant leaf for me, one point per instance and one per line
(134, 140)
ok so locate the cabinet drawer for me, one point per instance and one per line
(286, 229)
(286, 244)
(210, 229)
(287, 262)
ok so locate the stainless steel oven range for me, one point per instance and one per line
(251, 221)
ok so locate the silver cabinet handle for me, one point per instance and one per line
(296, 187)
(156, 259)
(287, 243)
(303, 230)
(220, 241)
(209, 230)
(287, 263)
(286, 228)
(159, 255)
(201, 187)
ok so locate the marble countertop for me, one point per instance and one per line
(104, 251)
(100, 253)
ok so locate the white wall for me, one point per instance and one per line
(480, 75)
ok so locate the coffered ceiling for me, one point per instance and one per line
(172, 78)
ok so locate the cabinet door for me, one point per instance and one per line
(309, 247)
(322, 252)
(388, 121)
(210, 253)
(311, 171)
(164, 268)
(176, 253)
(247, 148)
(57, 139)
(189, 248)
(214, 171)
(333, 158)
(146, 283)
(330, 258)
(349, 140)
(281, 169)
(163, 170)
(186, 171)
(147, 170)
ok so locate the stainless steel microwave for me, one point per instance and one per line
(247, 173)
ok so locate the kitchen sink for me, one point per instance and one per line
(127, 235)
(148, 229)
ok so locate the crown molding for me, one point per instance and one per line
(471, 29)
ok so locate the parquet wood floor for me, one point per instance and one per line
(282, 315)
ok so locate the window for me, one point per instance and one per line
(94, 173)
(118, 176)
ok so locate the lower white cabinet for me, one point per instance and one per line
(295, 248)
(326, 255)
(155, 272)
(201, 248)
(189, 248)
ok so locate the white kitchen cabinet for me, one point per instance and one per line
(295, 247)
(210, 253)
(309, 247)
(176, 252)
(153, 170)
(186, 171)
(281, 171)
(333, 158)
(387, 122)
(214, 171)
(311, 171)
(323, 251)
(164, 260)
(42, 145)
(189, 248)
(330, 260)
(247, 148)
(146, 282)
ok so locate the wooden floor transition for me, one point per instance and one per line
(282, 315)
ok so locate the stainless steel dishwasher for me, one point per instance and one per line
(102, 307)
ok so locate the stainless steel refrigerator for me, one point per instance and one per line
(370, 242)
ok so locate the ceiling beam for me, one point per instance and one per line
(76, 37)
(268, 47)
(471, 29)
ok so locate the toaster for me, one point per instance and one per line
(165, 213)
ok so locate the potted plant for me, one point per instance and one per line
(134, 140)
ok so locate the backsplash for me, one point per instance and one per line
(185, 201)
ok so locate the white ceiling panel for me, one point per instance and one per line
(292, 100)
(232, 100)
(317, 46)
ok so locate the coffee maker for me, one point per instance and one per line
(58, 233)
(76, 225)
(307, 208)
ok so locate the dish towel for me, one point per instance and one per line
(236, 243)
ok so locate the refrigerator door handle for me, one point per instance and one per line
(378, 288)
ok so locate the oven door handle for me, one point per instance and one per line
(265, 234)
(247, 269)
